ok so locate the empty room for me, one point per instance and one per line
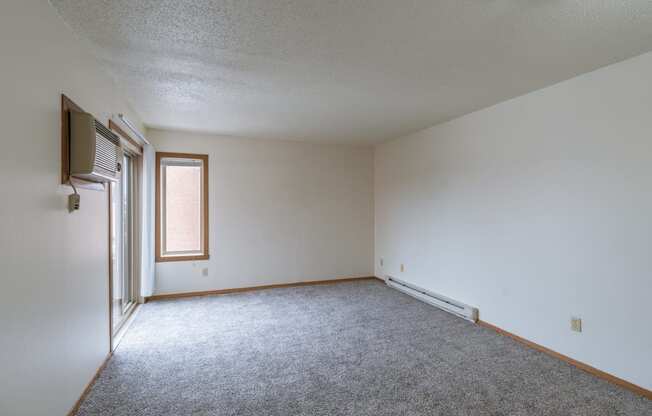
(326, 207)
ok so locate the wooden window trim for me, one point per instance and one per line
(158, 195)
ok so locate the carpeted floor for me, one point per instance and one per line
(345, 349)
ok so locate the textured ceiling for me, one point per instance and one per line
(346, 70)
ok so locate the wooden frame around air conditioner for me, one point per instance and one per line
(68, 105)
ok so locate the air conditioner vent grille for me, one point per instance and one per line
(106, 133)
(105, 154)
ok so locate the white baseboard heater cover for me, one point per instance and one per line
(449, 305)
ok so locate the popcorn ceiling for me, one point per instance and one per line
(345, 71)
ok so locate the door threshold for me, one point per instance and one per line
(117, 337)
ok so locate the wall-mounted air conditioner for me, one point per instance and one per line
(449, 305)
(95, 151)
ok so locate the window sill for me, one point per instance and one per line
(181, 258)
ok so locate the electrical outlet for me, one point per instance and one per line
(204, 271)
(576, 324)
(381, 262)
(402, 268)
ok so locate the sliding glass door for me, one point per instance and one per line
(123, 243)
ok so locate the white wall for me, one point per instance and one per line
(54, 329)
(280, 212)
(535, 210)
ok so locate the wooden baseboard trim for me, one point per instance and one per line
(591, 370)
(75, 408)
(167, 296)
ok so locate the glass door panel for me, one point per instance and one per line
(123, 294)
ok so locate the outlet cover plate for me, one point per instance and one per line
(576, 324)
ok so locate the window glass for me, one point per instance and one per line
(182, 208)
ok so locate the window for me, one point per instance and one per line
(181, 207)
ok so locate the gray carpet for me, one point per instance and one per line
(346, 349)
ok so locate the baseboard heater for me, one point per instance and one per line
(449, 305)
